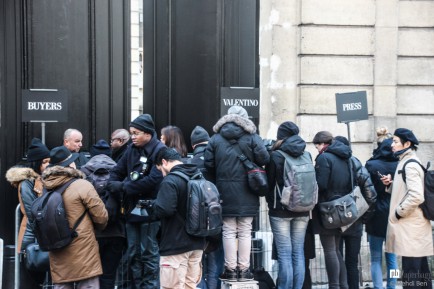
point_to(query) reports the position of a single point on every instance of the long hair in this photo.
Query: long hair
(174, 138)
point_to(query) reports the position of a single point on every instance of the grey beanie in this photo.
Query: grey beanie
(198, 135)
(235, 109)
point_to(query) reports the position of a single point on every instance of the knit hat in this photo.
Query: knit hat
(235, 109)
(406, 135)
(61, 156)
(101, 148)
(37, 151)
(198, 135)
(323, 137)
(287, 129)
(144, 123)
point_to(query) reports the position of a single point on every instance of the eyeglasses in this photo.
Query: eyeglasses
(137, 133)
(115, 139)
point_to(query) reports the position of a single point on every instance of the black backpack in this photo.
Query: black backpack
(99, 179)
(204, 210)
(428, 205)
(49, 221)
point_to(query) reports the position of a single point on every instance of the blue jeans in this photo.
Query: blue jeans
(143, 254)
(376, 247)
(288, 235)
(212, 264)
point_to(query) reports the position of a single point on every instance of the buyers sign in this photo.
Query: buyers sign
(44, 105)
(352, 106)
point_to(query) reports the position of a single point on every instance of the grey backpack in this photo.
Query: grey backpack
(300, 190)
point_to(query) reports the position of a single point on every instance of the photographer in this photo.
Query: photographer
(136, 178)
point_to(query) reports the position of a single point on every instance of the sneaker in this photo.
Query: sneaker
(245, 275)
(229, 275)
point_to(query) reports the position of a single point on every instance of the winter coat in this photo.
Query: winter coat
(146, 187)
(384, 162)
(171, 208)
(363, 180)
(81, 160)
(198, 159)
(293, 146)
(79, 260)
(119, 152)
(116, 225)
(29, 188)
(221, 160)
(411, 234)
(333, 177)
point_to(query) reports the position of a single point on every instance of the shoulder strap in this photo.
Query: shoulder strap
(402, 171)
(181, 174)
(61, 190)
(241, 156)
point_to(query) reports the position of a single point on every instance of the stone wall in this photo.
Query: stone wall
(312, 49)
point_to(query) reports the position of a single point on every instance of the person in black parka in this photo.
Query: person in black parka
(235, 133)
(384, 162)
(334, 180)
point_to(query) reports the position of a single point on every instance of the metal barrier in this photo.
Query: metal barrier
(18, 216)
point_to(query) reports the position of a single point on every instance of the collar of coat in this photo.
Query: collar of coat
(245, 123)
(56, 176)
(19, 174)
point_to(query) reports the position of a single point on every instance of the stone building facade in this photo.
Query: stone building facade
(312, 49)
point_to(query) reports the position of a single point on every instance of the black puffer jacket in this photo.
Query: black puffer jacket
(293, 146)
(171, 207)
(221, 159)
(384, 162)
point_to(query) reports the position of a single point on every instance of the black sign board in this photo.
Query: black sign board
(247, 97)
(44, 105)
(352, 106)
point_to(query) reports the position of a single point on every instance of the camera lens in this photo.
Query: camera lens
(134, 176)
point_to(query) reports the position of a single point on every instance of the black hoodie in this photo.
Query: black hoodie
(171, 207)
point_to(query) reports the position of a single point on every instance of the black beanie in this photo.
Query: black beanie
(144, 123)
(198, 135)
(101, 148)
(37, 151)
(287, 129)
(406, 135)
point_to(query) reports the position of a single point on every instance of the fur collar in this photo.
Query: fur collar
(56, 176)
(245, 123)
(19, 174)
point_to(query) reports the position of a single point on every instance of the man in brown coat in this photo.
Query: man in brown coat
(79, 262)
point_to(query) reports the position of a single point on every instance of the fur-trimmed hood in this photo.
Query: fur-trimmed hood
(18, 174)
(246, 124)
(53, 177)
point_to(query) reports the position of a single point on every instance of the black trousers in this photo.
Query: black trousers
(416, 273)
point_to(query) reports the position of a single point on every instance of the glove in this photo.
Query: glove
(115, 187)
(147, 204)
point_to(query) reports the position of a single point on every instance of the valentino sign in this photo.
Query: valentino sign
(352, 106)
(44, 105)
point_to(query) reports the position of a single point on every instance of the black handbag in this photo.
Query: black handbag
(35, 259)
(342, 211)
(256, 175)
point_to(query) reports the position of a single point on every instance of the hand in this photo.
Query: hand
(146, 203)
(115, 187)
(387, 180)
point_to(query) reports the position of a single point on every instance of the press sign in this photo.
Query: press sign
(351, 106)
(44, 105)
